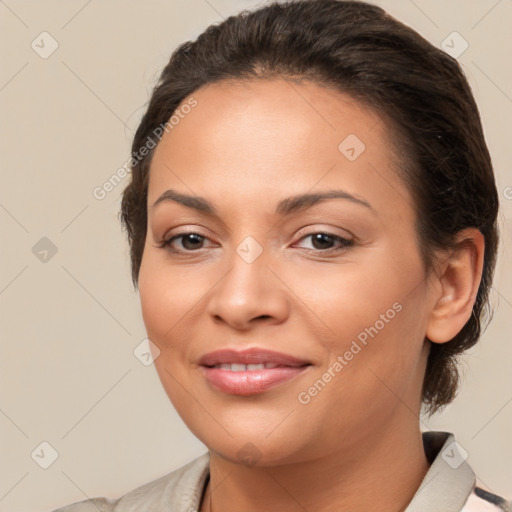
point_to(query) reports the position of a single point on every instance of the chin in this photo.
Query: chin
(254, 446)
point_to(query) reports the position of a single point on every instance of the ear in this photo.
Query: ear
(456, 286)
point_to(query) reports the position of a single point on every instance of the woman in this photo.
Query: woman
(312, 225)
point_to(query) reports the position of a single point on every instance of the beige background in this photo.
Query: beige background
(69, 325)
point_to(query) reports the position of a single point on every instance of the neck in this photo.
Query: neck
(386, 469)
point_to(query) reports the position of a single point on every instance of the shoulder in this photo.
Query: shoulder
(481, 500)
(91, 505)
(451, 483)
(181, 488)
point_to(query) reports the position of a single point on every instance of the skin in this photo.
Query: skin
(245, 147)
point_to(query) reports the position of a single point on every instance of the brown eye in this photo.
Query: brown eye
(189, 242)
(323, 242)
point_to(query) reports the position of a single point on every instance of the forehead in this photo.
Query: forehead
(274, 136)
(305, 113)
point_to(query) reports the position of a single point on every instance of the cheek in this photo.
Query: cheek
(376, 317)
(167, 298)
(383, 356)
(347, 299)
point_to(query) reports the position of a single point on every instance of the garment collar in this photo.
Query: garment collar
(446, 486)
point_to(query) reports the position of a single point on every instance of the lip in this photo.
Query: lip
(250, 382)
(250, 356)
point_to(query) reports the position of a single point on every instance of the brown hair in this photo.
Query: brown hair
(364, 52)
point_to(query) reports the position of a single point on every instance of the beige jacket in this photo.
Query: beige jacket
(450, 485)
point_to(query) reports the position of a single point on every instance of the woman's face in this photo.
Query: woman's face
(337, 284)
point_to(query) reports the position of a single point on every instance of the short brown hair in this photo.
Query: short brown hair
(363, 52)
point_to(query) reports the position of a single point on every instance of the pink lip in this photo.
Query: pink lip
(250, 356)
(251, 381)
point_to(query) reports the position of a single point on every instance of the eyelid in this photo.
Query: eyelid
(168, 238)
(308, 230)
(185, 230)
(316, 228)
(342, 243)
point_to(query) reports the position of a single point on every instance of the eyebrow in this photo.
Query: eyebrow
(284, 207)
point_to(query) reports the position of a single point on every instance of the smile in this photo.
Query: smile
(250, 371)
(240, 379)
(237, 367)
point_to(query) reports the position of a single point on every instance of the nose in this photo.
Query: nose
(248, 294)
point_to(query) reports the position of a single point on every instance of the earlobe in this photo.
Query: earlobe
(458, 284)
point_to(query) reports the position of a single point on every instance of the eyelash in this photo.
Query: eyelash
(344, 243)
